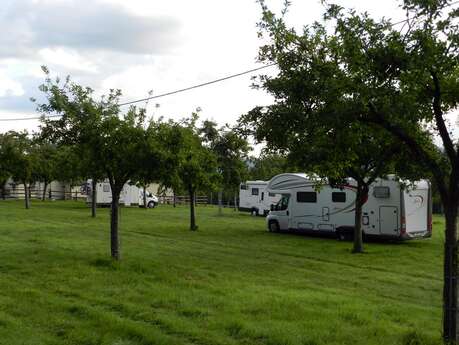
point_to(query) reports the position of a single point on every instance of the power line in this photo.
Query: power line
(161, 95)
(198, 85)
(29, 118)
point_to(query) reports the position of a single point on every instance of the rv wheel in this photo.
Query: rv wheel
(273, 226)
(341, 236)
(151, 204)
(345, 234)
(254, 212)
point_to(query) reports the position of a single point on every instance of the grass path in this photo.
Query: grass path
(231, 282)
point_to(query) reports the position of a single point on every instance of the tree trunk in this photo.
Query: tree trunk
(450, 318)
(220, 202)
(193, 226)
(235, 202)
(93, 197)
(174, 200)
(114, 218)
(26, 196)
(361, 197)
(43, 197)
(145, 197)
(2, 188)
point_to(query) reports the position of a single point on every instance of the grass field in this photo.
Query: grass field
(231, 282)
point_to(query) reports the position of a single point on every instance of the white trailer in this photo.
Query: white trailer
(131, 195)
(391, 211)
(254, 198)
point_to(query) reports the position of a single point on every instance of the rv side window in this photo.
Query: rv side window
(381, 192)
(306, 197)
(106, 188)
(262, 195)
(243, 187)
(254, 191)
(272, 195)
(339, 197)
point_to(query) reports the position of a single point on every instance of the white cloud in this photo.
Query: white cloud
(67, 58)
(9, 87)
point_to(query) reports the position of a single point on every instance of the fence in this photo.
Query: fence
(18, 192)
(183, 199)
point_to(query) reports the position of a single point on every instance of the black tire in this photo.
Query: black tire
(254, 212)
(341, 236)
(345, 234)
(273, 226)
(151, 204)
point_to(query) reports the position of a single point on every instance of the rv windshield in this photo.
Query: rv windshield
(283, 202)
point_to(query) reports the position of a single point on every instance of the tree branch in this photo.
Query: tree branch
(415, 148)
(440, 122)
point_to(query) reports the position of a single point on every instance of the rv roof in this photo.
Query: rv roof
(284, 182)
(287, 181)
(256, 182)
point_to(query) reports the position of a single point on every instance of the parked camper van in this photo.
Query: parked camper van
(130, 195)
(391, 210)
(254, 198)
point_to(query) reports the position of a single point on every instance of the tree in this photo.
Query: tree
(4, 168)
(231, 151)
(188, 164)
(267, 165)
(43, 155)
(402, 79)
(19, 160)
(117, 144)
(69, 165)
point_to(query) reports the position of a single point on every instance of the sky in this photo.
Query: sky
(140, 46)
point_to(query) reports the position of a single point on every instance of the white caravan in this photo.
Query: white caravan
(254, 198)
(130, 195)
(391, 211)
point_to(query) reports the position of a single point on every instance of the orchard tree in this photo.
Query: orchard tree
(231, 151)
(69, 166)
(188, 164)
(4, 168)
(117, 143)
(267, 165)
(197, 169)
(19, 160)
(402, 78)
(43, 155)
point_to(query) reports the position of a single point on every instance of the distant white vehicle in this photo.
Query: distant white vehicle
(254, 198)
(131, 195)
(391, 210)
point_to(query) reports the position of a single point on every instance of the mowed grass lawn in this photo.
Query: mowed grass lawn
(231, 282)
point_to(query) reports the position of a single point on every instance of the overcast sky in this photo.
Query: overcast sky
(143, 45)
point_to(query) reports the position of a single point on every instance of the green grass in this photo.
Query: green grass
(231, 282)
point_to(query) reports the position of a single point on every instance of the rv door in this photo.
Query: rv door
(282, 212)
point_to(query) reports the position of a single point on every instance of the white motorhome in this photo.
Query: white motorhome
(254, 198)
(130, 195)
(391, 211)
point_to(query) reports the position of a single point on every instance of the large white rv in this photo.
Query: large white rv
(130, 195)
(254, 198)
(392, 210)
